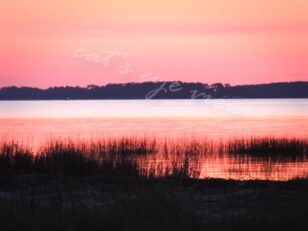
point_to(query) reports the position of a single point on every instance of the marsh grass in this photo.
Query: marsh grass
(118, 157)
(269, 147)
(97, 185)
(15, 159)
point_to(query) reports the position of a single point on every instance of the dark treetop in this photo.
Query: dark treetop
(158, 90)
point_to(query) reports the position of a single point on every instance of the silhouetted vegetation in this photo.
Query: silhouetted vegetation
(158, 90)
(269, 147)
(67, 185)
(70, 159)
(117, 157)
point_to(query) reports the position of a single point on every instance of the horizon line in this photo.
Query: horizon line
(167, 81)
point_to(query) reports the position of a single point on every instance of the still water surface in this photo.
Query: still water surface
(34, 122)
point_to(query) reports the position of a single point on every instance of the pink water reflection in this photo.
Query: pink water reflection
(226, 167)
(34, 122)
(34, 131)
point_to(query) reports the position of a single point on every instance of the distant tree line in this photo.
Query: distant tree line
(158, 90)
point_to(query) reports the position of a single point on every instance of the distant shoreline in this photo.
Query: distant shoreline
(159, 91)
(8, 100)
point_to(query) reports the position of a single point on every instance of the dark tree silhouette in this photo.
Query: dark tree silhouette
(160, 90)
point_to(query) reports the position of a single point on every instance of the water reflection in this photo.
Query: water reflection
(224, 166)
(34, 122)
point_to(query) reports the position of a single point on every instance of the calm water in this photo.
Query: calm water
(33, 122)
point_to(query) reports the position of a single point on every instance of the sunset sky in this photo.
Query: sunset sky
(47, 43)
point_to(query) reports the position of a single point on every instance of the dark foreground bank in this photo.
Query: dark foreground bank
(153, 204)
(65, 186)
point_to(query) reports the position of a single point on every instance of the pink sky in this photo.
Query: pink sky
(229, 41)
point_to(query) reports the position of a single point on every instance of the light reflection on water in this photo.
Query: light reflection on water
(33, 122)
(226, 167)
